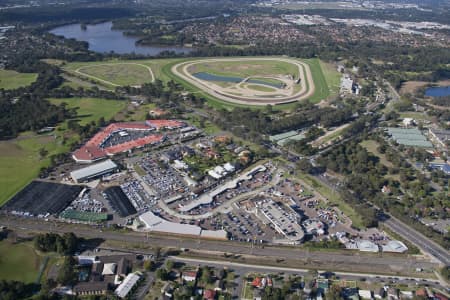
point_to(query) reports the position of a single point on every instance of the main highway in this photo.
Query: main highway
(342, 260)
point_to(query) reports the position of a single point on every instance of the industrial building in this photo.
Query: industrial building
(409, 137)
(94, 171)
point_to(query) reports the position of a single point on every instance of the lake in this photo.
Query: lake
(439, 91)
(102, 38)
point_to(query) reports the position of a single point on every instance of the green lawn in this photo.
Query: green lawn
(12, 80)
(372, 147)
(320, 78)
(19, 262)
(92, 109)
(20, 161)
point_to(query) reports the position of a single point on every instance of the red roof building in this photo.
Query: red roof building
(95, 148)
(165, 124)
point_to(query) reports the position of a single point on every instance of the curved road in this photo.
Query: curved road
(304, 93)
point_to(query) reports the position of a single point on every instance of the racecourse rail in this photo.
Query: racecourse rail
(306, 81)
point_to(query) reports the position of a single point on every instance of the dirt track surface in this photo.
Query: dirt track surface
(248, 97)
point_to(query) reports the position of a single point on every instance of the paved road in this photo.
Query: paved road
(419, 240)
(339, 259)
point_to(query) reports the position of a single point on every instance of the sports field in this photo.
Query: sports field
(12, 80)
(19, 262)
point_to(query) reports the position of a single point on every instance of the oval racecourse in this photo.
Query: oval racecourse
(120, 77)
(254, 88)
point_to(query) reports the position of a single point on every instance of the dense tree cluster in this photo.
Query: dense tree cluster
(13, 290)
(66, 244)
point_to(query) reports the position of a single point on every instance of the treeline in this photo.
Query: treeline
(26, 108)
(250, 124)
(364, 177)
(13, 290)
(65, 244)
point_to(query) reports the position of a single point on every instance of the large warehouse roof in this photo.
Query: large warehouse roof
(409, 137)
(155, 223)
(93, 170)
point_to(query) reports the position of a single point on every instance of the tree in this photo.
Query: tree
(169, 265)
(162, 274)
(67, 274)
(149, 265)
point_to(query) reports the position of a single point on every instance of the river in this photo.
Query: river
(102, 38)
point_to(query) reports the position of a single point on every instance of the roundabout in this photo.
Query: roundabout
(249, 80)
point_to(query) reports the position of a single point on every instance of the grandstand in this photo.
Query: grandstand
(409, 137)
(122, 137)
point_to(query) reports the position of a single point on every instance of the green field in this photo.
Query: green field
(92, 109)
(245, 69)
(19, 262)
(118, 73)
(20, 161)
(155, 64)
(12, 80)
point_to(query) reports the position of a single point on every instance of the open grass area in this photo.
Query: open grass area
(10, 80)
(20, 161)
(92, 109)
(322, 91)
(156, 66)
(119, 73)
(372, 147)
(19, 262)
(332, 76)
(246, 69)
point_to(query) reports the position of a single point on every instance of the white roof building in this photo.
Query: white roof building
(229, 167)
(367, 246)
(109, 269)
(154, 223)
(395, 246)
(127, 285)
(365, 294)
(93, 171)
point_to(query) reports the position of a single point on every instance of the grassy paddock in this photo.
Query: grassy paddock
(10, 80)
(19, 262)
(92, 109)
